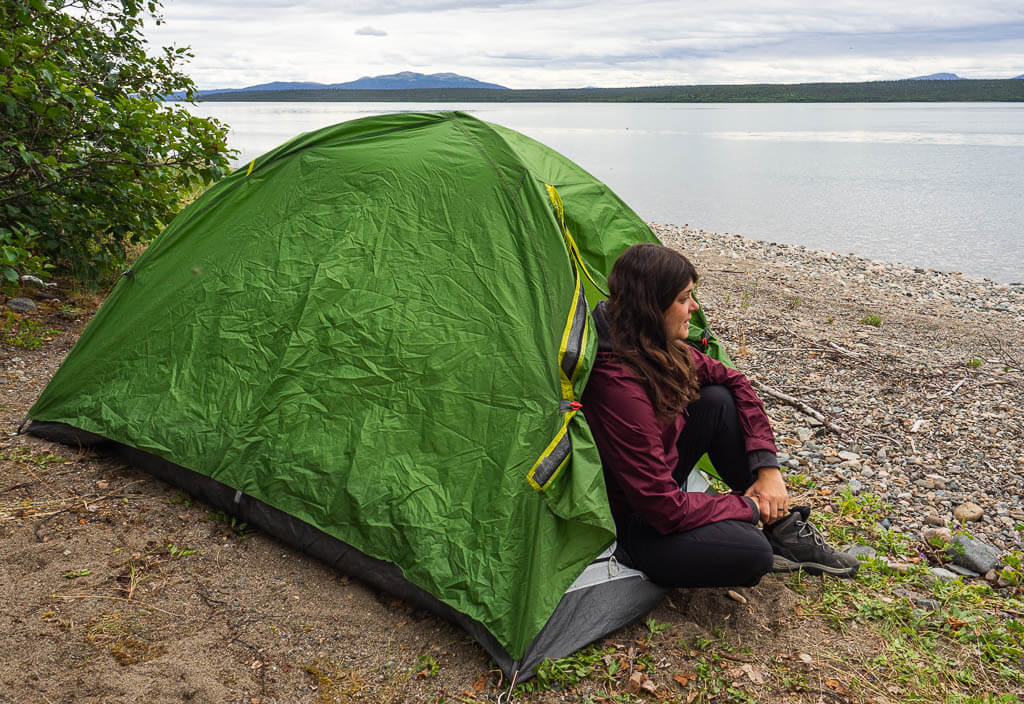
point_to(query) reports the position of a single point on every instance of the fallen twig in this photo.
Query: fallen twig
(148, 607)
(958, 385)
(842, 350)
(797, 403)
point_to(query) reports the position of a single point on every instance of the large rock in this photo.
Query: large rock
(21, 305)
(972, 553)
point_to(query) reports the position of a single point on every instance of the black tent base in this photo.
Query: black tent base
(605, 597)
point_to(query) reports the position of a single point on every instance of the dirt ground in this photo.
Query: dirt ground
(117, 588)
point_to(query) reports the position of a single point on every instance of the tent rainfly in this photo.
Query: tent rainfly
(370, 343)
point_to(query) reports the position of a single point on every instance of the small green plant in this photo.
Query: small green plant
(872, 320)
(830, 320)
(69, 311)
(26, 333)
(1013, 571)
(229, 521)
(654, 628)
(794, 302)
(800, 481)
(77, 573)
(183, 499)
(975, 362)
(427, 666)
(176, 552)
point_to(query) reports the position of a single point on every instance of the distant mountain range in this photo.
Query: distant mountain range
(937, 77)
(947, 77)
(406, 80)
(411, 86)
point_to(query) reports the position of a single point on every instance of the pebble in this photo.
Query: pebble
(944, 574)
(736, 596)
(858, 551)
(962, 571)
(943, 534)
(968, 512)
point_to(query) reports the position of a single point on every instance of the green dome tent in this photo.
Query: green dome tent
(370, 342)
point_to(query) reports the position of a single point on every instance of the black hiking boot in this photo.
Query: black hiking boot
(797, 544)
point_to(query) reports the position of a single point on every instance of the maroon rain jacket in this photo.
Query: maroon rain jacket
(639, 454)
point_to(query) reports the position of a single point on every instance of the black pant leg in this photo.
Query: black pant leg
(722, 554)
(713, 426)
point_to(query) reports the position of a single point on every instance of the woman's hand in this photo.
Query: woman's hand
(769, 491)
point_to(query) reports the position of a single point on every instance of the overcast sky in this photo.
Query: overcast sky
(606, 43)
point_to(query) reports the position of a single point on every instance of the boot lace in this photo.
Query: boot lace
(806, 529)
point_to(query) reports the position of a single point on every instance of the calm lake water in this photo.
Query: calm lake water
(937, 185)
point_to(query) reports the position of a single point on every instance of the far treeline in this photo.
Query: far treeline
(1008, 90)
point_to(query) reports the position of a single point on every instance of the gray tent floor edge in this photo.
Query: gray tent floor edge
(604, 598)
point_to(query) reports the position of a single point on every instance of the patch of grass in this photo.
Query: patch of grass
(24, 332)
(27, 455)
(69, 311)
(938, 641)
(334, 683)
(872, 320)
(183, 499)
(713, 683)
(116, 635)
(975, 362)
(75, 574)
(567, 672)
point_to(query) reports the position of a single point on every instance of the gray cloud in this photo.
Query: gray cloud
(566, 43)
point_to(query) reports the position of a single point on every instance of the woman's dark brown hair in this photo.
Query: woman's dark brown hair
(643, 283)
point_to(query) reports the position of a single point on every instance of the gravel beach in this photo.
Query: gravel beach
(921, 370)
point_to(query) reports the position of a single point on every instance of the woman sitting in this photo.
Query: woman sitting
(656, 405)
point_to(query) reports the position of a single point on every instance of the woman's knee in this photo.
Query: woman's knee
(718, 397)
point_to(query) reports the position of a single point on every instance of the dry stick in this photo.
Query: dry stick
(68, 597)
(958, 385)
(793, 349)
(843, 351)
(85, 503)
(797, 403)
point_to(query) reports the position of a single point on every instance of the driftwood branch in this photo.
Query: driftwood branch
(800, 405)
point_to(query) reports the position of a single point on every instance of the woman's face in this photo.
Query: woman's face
(677, 315)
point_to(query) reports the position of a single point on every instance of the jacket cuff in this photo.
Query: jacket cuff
(761, 458)
(753, 508)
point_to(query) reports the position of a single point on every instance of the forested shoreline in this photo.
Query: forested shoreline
(966, 90)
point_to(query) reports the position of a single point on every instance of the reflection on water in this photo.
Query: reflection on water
(931, 184)
(879, 137)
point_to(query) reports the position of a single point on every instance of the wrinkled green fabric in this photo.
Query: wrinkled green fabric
(363, 331)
